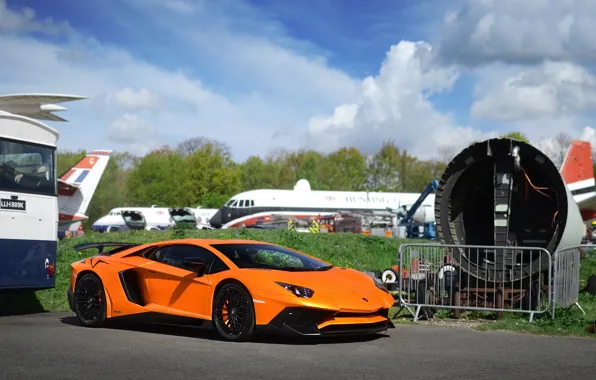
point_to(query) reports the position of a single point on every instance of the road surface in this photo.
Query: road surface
(53, 346)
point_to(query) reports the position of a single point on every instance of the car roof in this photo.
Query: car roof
(212, 241)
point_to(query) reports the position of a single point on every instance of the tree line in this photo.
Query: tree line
(201, 172)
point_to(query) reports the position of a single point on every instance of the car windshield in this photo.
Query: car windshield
(266, 256)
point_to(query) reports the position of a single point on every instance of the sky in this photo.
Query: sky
(264, 75)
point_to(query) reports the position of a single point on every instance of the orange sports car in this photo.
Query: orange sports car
(240, 286)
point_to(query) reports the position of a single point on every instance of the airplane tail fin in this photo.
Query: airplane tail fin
(578, 170)
(77, 186)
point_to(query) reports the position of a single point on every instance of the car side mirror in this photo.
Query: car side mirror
(196, 265)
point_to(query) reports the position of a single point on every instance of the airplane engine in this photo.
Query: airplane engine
(420, 216)
(504, 192)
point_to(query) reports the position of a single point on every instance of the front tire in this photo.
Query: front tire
(90, 300)
(233, 313)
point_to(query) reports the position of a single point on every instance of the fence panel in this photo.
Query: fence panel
(566, 277)
(469, 277)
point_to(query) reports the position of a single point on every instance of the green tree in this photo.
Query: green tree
(158, 179)
(65, 160)
(516, 136)
(344, 169)
(263, 174)
(384, 168)
(210, 176)
(305, 164)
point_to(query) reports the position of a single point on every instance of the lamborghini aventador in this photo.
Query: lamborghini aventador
(239, 286)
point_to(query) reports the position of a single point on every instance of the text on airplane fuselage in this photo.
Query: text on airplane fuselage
(371, 199)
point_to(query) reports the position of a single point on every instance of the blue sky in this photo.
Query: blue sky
(262, 75)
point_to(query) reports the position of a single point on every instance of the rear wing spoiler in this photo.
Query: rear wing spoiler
(101, 246)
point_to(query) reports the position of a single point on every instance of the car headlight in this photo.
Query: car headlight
(298, 291)
(380, 286)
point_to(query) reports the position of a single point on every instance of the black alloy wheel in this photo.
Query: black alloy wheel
(233, 313)
(90, 302)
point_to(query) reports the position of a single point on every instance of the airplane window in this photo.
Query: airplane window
(241, 203)
(252, 203)
(234, 204)
(228, 203)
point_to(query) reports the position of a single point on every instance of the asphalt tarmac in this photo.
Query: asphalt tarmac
(54, 346)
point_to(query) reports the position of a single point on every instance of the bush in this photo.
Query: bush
(351, 250)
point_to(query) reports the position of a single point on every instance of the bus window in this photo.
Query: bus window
(26, 168)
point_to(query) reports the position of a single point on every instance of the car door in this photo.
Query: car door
(174, 283)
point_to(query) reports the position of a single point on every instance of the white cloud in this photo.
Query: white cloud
(282, 89)
(130, 128)
(515, 31)
(252, 54)
(532, 63)
(142, 99)
(247, 121)
(24, 20)
(552, 90)
(262, 90)
(394, 105)
(589, 134)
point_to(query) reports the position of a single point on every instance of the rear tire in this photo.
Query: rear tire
(233, 313)
(90, 301)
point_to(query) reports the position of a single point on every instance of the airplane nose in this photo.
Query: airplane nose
(99, 225)
(215, 220)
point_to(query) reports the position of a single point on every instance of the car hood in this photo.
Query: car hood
(338, 288)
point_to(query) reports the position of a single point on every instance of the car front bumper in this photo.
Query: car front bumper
(313, 322)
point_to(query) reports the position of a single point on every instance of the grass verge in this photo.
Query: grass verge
(567, 322)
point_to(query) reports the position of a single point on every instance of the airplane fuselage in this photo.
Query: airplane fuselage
(156, 218)
(313, 202)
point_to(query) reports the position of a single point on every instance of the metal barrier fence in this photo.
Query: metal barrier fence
(566, 276)
(469, 277)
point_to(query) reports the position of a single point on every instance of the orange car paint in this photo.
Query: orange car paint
(180, 292)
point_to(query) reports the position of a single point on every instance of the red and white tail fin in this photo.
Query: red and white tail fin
(578, 170)
(77, 186)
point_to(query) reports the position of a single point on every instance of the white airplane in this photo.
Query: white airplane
(77, 187)
(250, 207)
(152, 218)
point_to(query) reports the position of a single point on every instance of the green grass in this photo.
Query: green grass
(352, 250)
(568, 322)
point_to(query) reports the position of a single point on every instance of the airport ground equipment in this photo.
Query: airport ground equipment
(413, 220)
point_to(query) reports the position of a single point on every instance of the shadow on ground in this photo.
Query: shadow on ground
(19, 303)
(206, 331)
